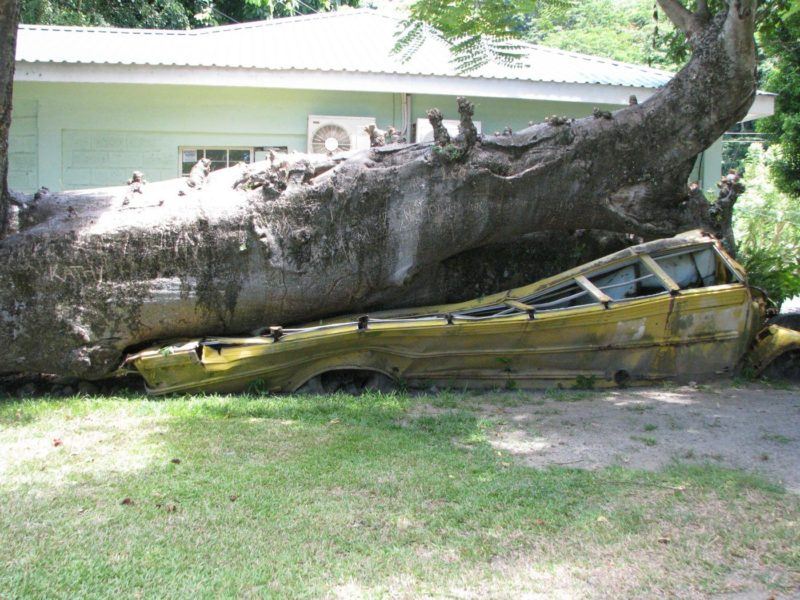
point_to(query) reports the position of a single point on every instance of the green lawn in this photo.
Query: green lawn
(339, 496)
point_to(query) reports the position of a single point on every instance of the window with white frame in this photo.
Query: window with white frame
(220, 157)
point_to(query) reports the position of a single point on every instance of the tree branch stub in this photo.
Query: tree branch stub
(466, 127)
(441, 137)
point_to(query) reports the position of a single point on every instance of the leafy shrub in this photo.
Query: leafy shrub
(767, 228)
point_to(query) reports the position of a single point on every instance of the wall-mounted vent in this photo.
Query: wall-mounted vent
(331, 135)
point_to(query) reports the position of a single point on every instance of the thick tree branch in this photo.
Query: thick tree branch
(744, 8)
(682, 18)
(702, 12)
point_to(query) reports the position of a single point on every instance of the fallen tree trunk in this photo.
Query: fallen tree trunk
(86, 275)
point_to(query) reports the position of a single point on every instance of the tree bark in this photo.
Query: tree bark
(89, 275)
(9, 17)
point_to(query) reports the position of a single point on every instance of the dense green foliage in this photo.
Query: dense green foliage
(256, 10)
(624, 30)
(781, 44)
(158, 14)
(167, 14)
(767, 224)
(620, 29)
(479, 31)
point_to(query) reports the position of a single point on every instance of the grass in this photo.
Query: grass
(562, 395)
(639, 408)
(647, 440)
(777, 438)
(380, 495)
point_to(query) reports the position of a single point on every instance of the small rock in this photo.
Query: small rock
(127, 502)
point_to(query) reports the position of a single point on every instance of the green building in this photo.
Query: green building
(93, 104)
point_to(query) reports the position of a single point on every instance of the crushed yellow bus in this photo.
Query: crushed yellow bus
(671, 309)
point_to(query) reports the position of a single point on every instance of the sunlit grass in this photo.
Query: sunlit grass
(379, 495)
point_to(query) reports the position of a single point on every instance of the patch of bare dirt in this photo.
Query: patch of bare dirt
(756, 428)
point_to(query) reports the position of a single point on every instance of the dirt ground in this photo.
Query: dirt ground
(753, 427)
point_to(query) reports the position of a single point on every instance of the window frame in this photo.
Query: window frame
(203, 148)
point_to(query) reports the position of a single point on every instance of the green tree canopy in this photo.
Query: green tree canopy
(167, 14)
(157, 14)
(781, 44)
(620, 29)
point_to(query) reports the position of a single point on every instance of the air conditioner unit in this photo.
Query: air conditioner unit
(425, 131)
(337, 134)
